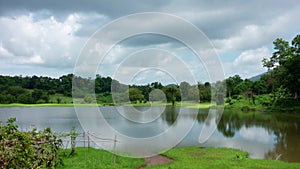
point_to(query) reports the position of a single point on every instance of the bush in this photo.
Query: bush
(245, 108)
(32, 149)
(88, 99)
(229, 101)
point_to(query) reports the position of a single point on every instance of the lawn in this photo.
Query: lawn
(68, 103)
(97, 159)
(195, 157)
(187, 157)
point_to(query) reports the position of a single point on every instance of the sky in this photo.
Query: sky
(47, 38)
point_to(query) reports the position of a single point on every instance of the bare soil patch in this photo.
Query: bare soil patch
(154, 160)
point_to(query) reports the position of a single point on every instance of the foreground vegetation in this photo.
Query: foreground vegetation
(30, 149)
(187, 157)
(262, 103)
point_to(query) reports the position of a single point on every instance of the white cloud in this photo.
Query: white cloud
(31, 60)
(256, 134)
(255, 35)
(248, 63)
(4, 52)
(47, 42)
(51, 35)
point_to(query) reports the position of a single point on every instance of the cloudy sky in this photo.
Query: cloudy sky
(47, 37)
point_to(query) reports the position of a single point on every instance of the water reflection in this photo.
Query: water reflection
(270, 136)
(170, 115)
(287, 146)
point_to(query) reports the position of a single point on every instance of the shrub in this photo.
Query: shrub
(245, 108)
(32, 149)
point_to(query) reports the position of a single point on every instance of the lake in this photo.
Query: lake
(264, 136)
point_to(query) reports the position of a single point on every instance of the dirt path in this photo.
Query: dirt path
(158, 159)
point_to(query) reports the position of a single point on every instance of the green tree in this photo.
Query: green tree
(184, 88)
(219, 92)
(40, 96)
(156, 85)
(231, 84)
(193, 93)
(259, 87)
(157, 95)
(171, 92)
(25, 98)
(135, 94)
(284, 65)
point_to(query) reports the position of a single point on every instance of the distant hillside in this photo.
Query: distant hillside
(257, 77)
(169, 85)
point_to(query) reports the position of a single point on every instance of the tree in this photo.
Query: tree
(7, 99)
(66, 85)
(171, 92)
(193, 93)
(220, 92)
(284, 65)
(184, 88)
(25, 98)
(157, 95)
(231, 84)
(259, 87)
(156, 85)
(135, 94)
(15, 90)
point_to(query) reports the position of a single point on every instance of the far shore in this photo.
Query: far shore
(187, 104)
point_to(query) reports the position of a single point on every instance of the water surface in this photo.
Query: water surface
(264, 136)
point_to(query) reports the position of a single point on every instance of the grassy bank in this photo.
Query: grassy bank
(195, 157)
(262, 103)
(93, 158)
(46, 105)
(188, 157)
(187, 104)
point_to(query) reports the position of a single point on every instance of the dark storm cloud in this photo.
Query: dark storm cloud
(223, 19)
(216, 18)
(40, 32)
(108, 7)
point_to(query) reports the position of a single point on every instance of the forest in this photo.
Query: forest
(280, 85)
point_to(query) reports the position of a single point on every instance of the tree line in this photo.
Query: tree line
(34, 89)
(282, 82)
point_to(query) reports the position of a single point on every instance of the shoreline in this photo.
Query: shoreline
(185, 104)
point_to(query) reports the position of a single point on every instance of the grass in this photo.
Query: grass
(187, 104)
(187, 157)
(93, 159)
(190, 104)
(63, 99)
(47, 105)
(195, 157)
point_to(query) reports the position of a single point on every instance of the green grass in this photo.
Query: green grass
(95, 159)
(184, 158)
(64, 99)
(47, 105)
(187, 104)
(195, 157)
(190, 104)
